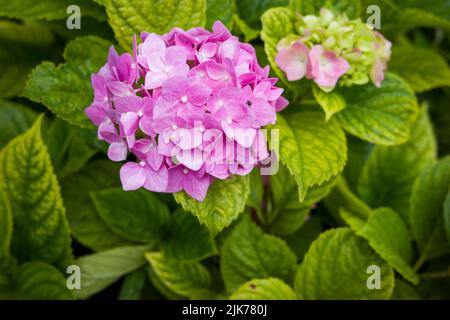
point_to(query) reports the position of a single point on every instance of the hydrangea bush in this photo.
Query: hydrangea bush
(134, 150)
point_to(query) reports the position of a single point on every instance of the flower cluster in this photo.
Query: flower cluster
(329, 48)
(188, 105)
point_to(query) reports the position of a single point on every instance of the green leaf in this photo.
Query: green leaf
(352, 8)
(447, 214)
(68, 149)
(100, 270)
(426, 213)
(130, 17)
(264, 289)
(288, 213)
(389, 237)
(380, 115)
(14, 120)
(277, 23)
(301, 239)
(256, 196)
(404, 291)
(358, 152)
(343, 203)
(187, 240)
(183, 278)
(133, 285)
(41, 231)
(22, 46)
(41, 281)
(137, 216)
(389, 173)
(241, 27)
(331, 102)
(251, 10)
(248, 253)
(423, 68)
(402, 15)
(6, 229)
(313, 151)
(48, 9)
(223, 203)
(335, 267)
(219, 10)
(66, 89)
(87, 226)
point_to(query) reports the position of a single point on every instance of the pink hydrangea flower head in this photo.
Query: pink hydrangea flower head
(184, 109)
(330, 48)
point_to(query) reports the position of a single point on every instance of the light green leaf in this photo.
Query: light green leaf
(100, 270)
(48, 9)
(352, 8)
(423, 68)
(161, 287)
(389, 173)
(288, 213)
(335, 267)
(87, 226)
(380, 115)
(313, 151)
(248, 253)
(40, 281)
(6, 229)
(219, 10)
(131, 17)
(447, 214)
(41, 231)
(331, 102)
(277, 23)
(14, 120)
(187, 240)
(264, 289)
(404, 291)
(223, 203)
(183, 278)
(301, 239)
(389, 237)
(66, 89)
(22, 46)
(137, 216)
(426, 213)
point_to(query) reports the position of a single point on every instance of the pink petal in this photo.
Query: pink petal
(157, 181)
(175, 55)
(244, 137)
(117, 151)
(175, 88)
(196, 188)
(176, 176)
(198, 93)
(293, 60)
(129, 122)
(132, 176)
(192, 159)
